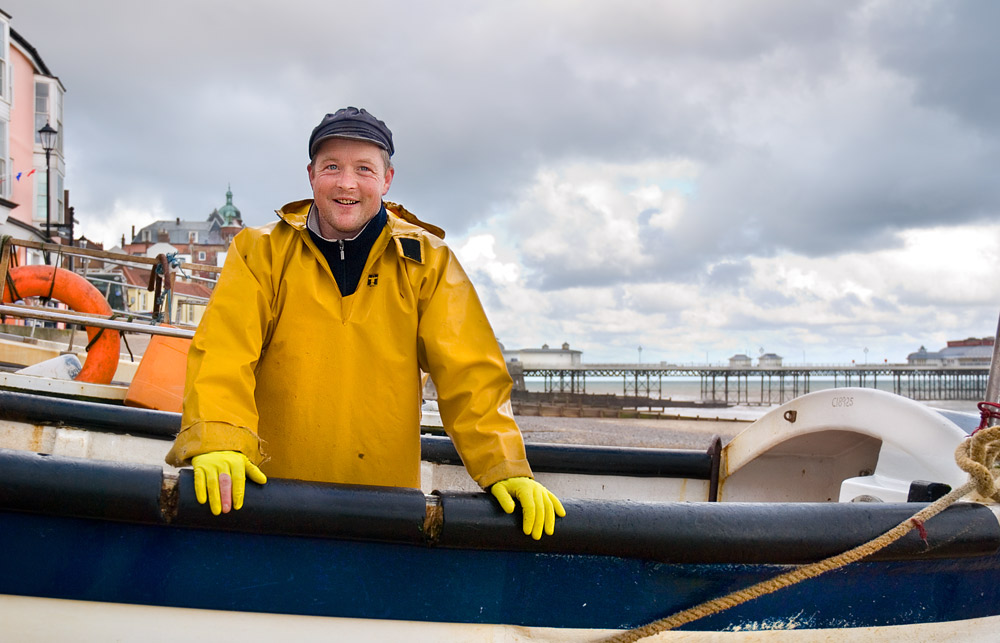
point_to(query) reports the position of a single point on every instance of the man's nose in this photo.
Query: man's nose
(347, 180)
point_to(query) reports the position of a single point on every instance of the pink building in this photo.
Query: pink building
(30, 97)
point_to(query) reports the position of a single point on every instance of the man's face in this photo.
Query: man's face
(348, 180)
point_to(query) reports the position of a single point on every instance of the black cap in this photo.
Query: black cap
(351, 122)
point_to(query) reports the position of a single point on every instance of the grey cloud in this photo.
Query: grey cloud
(728, 275)
(798, 149)
(947, 49)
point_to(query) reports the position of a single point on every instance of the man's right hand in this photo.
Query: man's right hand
(220, 478)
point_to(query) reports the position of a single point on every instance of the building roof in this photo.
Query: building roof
(33, 55)
(29, 231)
(179, 232)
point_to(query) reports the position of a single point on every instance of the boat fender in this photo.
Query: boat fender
(64, 367)
(81, 296)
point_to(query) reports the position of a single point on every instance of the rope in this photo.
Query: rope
(52, 285)
(5, 261)
(975, 455)
(12, 289)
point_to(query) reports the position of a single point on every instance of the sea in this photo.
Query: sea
(688, 389)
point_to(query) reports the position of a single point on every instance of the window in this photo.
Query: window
(41, 108)
(41, 193)
(145, 236)
(3, 60)
(59, 207)
(4, 179)
(57, 102)
(201, 255)
(193, 236)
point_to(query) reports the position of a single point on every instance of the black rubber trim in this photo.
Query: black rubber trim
(81, 488)
(298, 508)
(735, 533)
(55, 485)
(98, 416)
(711, 533)
(592, 460)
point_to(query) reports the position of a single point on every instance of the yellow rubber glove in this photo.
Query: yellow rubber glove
(220, 477)
(539, 506)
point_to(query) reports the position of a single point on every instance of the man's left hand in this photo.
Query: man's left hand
(539, 506)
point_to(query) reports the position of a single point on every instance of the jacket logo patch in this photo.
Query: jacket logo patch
(373, 280)
(411, 249)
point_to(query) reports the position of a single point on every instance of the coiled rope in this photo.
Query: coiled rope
(976, 455)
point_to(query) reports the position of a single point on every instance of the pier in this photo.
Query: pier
(768, 385)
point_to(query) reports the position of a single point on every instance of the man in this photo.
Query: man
(309, 353)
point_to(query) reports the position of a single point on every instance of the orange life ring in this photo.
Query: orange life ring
(80, 295)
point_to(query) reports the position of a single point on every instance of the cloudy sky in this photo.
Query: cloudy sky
(696, 178)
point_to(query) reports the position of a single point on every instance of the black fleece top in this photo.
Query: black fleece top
(347, 258)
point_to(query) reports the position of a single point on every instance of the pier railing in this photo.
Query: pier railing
(772, 385)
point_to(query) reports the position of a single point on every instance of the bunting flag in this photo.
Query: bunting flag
(18, 177)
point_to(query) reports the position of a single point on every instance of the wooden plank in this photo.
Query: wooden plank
(4, 263)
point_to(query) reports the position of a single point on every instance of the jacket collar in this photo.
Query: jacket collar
(400, 220)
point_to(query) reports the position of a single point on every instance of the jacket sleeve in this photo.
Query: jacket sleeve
(219, 411)
(456, 345)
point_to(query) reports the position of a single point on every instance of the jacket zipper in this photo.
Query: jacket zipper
(343, 263)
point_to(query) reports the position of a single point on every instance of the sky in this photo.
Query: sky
(669, 182)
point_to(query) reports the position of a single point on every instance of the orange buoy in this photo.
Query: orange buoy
(80, 295)
(158, 382)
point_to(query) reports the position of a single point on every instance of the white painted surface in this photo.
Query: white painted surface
(27, 383)
(439, 477)
(77, 443)
(36, 620)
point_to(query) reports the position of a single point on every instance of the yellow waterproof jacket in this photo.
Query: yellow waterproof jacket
(327, 388)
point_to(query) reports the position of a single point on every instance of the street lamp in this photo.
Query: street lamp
(48, 137)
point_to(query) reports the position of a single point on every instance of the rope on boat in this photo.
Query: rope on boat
(976, 455)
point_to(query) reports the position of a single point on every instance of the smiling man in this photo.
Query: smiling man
(307, 361)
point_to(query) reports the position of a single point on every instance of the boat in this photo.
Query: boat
(778, 534)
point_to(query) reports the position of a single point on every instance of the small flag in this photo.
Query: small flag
(31, 172)
(18, 177)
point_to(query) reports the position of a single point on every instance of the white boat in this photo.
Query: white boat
(103, 540)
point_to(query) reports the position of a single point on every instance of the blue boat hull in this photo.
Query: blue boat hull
(107, 561)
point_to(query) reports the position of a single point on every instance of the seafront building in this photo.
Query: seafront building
(961, 352)
(187, 241)
(544, 357)
(31, 96)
